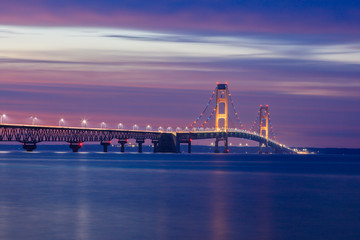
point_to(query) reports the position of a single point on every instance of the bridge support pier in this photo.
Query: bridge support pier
(140, 143)
(178, 144)
(29, 147)
(216, 146)
(75, 146)
(167, 143)
(122, 143)
(156, 143)
(189, 146)
(105, 145)
(226, 148)
(263, 145)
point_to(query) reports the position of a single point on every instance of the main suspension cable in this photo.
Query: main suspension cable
(202, 113)
(235, 112)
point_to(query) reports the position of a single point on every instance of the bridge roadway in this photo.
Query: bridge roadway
(30, 135)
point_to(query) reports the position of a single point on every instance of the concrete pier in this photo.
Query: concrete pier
(75, 146)
(140, 143)
(156, 144)
(216, 146)
(122, 143)
(29, 147)
(226, 147)
(167, 143)
(105, 145)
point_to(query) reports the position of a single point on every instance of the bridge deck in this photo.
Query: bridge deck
(35, 134)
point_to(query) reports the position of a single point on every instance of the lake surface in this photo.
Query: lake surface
(63, 195)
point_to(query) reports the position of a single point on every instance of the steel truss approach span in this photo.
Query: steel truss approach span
(261, 131)
(29, 135)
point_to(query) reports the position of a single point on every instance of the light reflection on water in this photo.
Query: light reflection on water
(171, 196)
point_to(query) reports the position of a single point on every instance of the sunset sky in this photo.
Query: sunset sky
(157, 63)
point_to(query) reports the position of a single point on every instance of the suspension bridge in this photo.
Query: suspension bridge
(219, 120)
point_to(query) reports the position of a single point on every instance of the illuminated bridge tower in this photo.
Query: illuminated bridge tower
(221, 115)
(264, 127)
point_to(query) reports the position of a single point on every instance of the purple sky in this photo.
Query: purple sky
(157, 63)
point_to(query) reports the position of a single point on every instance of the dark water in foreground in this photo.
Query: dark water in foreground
(178, 196)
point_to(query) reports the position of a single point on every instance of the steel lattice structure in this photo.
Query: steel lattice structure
(36, 134)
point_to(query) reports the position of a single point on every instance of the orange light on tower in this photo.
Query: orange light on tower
(221, 98)
(264, 125)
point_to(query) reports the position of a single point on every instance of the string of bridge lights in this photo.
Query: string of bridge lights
(235, 112)
(254, 128)
(202, 113)
(207, 120)
(254, 123)
(271, 128)
(197, 120)
(84, 123)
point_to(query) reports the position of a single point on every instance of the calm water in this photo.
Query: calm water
(178, 196)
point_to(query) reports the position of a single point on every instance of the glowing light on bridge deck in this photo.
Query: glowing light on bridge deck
(178, 129)
(102, 125)
(120, 126)
(160, 129)
(148, 128)
(135, 127)
(33, 120)
(2, 117)
(169, 129)
(83, 123)
(61, 122)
